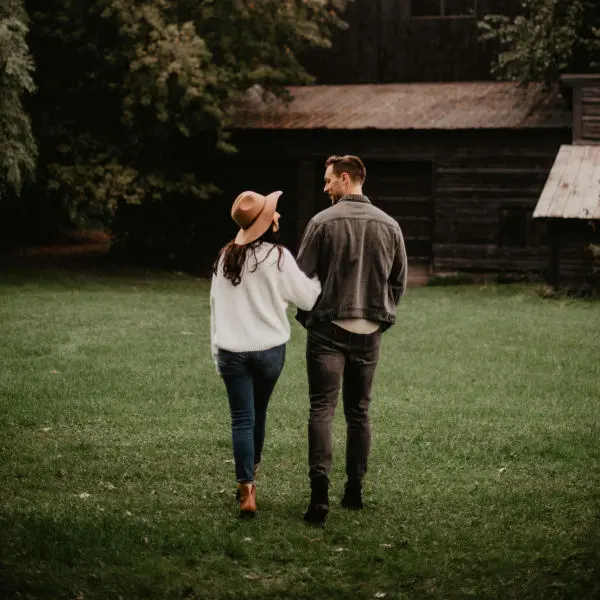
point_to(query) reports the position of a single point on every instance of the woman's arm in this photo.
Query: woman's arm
(299, 289)
(214, 350)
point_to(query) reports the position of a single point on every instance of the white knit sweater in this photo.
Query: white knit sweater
(252, 315)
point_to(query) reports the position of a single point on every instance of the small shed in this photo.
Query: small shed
(570, 200)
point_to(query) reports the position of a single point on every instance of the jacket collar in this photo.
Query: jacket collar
(354, 198)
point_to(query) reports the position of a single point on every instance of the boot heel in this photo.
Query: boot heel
(247, 498)
(318, 509)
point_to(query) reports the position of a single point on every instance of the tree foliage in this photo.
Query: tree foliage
(17, 145)
(133, 93)
(548, 38)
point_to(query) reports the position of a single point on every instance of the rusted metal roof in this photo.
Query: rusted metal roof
(479, 105)
(572, 190)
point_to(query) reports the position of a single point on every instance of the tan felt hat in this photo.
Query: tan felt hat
(254, 214)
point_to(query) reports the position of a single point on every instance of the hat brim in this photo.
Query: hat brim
(262, 223)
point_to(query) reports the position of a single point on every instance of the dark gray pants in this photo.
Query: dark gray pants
(337, 358)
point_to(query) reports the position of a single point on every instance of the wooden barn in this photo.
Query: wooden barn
(459, 165)
(392, 41)
(460, 160)
(570, 201)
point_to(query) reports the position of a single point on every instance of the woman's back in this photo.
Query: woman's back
(250, 314)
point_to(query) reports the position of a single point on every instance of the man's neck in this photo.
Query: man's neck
(355, 191)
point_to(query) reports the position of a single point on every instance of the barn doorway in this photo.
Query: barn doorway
(404, 190)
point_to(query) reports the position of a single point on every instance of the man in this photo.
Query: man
(357, 251)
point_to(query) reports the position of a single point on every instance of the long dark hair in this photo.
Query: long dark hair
(235, 256)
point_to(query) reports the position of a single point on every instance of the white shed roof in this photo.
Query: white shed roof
(572, 190)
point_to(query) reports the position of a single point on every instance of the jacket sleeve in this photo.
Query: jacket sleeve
(308, 259)
(310, 249)
(299, 289)
(398, 273)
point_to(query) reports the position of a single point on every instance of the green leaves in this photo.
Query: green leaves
(171, 72)
(18, 151)
(551, 37)
(138, 91)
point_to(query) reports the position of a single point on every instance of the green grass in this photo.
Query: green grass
(116, 471)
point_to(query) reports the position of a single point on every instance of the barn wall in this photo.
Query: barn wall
(385, 44)
(590, 113)
(485, 197)
(578, 246)
(483, 188)
(586, 107)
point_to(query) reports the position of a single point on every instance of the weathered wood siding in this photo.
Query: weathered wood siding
(484, 203)
(384, 44)
(586, 106)
(590, 113)
(577, 261)
(467, 195)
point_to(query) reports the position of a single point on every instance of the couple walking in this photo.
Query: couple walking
(346, 281)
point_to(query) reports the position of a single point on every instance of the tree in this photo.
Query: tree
(132, 93)
(17, 146)
(549, 38)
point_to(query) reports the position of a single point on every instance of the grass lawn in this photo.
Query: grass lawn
(117, 478)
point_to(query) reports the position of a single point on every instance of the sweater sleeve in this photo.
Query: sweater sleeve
(213, 348)
(297, 287)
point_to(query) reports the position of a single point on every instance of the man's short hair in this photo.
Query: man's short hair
(348, 164)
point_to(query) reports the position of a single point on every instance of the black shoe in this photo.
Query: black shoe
(316, 513)
(352, 498)
(319, 505)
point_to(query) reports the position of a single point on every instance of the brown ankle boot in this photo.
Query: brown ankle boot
(247, 499)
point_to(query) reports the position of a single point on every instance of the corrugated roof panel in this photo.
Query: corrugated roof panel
(572, 190)
(396, 106)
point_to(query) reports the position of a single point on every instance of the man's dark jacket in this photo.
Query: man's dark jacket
(357, 251)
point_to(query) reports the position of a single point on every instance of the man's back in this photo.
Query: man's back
(358, 254)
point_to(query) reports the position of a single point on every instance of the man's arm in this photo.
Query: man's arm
(309, 252)
(308, 259)
(399, 270)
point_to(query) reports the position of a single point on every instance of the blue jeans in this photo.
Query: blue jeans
(250, 378)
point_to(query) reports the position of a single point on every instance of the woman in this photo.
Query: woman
(254, 279)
